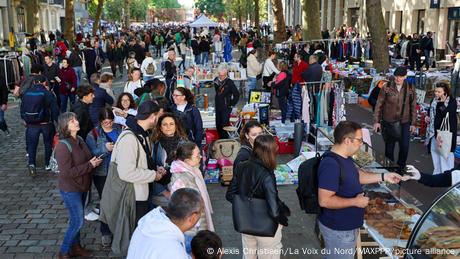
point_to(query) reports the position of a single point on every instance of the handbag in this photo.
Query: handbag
(446, 137)
(391, 131)
(250, 215)
(225, 148)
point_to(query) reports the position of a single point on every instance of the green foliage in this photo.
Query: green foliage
(113, 10)
(138, 9)
(165, 3)
(215, 8)
(92, 7)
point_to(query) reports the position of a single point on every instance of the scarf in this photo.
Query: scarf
(169, 144)
(178, 167)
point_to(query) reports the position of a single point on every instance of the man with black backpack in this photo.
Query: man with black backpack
(39, 111)
(340, 199)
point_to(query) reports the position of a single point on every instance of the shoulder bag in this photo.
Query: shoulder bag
(250, 215)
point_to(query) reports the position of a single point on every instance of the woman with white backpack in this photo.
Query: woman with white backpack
(148, 67)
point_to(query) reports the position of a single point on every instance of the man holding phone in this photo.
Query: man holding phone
(395, 115)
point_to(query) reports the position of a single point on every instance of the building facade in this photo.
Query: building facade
(401, 16)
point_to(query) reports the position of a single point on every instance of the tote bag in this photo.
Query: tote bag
(445, 136)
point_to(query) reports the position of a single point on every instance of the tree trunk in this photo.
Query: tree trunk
(127, 14)
(256, 13)
(376, 25)
(311, 20)
(240, 18)
(97, 19)
(69, 32)
(279, 24)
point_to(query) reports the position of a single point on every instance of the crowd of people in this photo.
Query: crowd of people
(142, 149)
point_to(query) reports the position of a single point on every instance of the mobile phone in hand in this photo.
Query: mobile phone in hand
(102, 156)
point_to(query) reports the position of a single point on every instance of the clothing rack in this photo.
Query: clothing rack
(8, 61)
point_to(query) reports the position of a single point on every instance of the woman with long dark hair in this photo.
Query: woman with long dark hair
(256, 176)
(443, 103)
(125, 106)
(250, 131)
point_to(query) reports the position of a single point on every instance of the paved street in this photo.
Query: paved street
(33, 218)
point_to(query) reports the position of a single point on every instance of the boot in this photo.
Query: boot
(77, 250)
(63, 256)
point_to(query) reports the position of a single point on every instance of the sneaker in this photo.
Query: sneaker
(96, 210)
(48, 168)
(32, 171)
(7, 132)
(107, 241)
(92, 216)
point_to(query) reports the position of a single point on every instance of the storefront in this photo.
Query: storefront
(453, 17)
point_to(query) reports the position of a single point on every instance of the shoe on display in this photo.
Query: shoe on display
(48, 168)
(32, 171)
(92, 216)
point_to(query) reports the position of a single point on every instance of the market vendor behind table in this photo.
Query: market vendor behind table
(340, 193)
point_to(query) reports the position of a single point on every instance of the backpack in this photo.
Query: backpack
(307, 190)
(53, 162)
(33, 105)
(150, 69)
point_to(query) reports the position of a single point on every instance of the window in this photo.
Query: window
(21, 19)
(420, 21)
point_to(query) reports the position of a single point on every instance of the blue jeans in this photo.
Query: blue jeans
(64, 98)
(252, 83)
(3, 125)
(339, 244)
(198, 59)
(204, 58)
(32, 137)
(78, 72)
(426, 62)
(74, 202)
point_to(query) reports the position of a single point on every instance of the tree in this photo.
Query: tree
(279, 24)
(165, 3)
(256, 13)
(97, 19)
(376, 25)
(69, 32)
(215, 8)
(138, 9)
(126, 14)
(112, 10)
(311, 20)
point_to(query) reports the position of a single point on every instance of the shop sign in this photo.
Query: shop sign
(435, 3)
(453, 13)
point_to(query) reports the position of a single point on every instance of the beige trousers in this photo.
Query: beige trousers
(255, 247)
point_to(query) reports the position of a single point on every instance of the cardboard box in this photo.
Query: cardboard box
(227, 173)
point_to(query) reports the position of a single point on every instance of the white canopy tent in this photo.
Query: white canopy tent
(203, 21)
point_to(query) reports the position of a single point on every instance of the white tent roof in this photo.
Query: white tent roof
(203, 21)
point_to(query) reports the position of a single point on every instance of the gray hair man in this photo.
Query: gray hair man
(163, 229)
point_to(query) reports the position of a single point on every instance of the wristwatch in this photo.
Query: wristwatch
(383, 177)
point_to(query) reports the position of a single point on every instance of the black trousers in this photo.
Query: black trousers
(222, 120)
(403, 146)
(142, 208)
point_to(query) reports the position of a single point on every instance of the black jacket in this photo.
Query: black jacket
(245, 178)
(243, 155)
(81, 109)
(50, 72)
(227, 95)
(282, 87)
(313, 73)
(75, 60)
(3, 91)
(438, 180)
(191, 123)
(170, 68)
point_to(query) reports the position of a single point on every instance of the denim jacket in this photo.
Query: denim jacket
(96, 141)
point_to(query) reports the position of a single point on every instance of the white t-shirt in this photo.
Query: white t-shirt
(181, 107)
(131, 86)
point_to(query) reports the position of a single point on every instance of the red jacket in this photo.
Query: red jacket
(68, 80)
(297, 70)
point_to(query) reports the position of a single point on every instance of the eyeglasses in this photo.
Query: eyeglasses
(177, 95)
(361, 141)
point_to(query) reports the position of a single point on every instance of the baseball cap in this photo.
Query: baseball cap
(146, 109)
